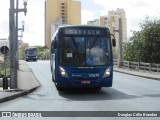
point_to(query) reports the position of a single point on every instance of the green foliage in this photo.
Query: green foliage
(3, 69)
(41, 51)
(22, 51)
(145, 44)
(2, 72)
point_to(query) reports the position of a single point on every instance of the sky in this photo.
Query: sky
(136, 11)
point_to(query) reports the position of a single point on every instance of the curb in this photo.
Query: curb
(20, 92)
(153, 78)
(36, 78)
(16, 95)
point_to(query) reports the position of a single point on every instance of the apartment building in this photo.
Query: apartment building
(115, 21)
(59, 12)
(95, 22)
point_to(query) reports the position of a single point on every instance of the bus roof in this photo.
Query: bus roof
(32, 48)
(83, 26)
(78, 26)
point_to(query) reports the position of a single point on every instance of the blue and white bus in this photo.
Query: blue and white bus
(31, 54)
(81, 57)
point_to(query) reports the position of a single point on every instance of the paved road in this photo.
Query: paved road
(129, 93)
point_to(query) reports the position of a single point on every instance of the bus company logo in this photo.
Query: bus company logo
(6, 114)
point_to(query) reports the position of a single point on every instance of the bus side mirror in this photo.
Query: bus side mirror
(55, 44)
(52, 49)
(114, 42)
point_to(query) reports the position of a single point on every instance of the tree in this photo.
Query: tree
(22, 51)
(145, 44)
(42, 51)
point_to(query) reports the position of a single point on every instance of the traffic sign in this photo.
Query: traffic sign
(4, 49)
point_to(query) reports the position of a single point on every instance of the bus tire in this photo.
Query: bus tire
(98, 88)
(58, 87)
(53, 79)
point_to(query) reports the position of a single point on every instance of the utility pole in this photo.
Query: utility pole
(16, 41)
(120, 43)
(12, 39)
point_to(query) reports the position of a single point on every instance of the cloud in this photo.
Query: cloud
(86, 16)
(34, 23)
(136, 11)
(4, 30)
(139, 3)
(91, 5)
(4, 19)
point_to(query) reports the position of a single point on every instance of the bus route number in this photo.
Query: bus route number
(93, 75)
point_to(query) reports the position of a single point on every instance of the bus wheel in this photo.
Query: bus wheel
(98, 88)
(58, 88)
(53, 79)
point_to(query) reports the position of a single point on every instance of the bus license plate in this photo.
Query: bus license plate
(85, 82)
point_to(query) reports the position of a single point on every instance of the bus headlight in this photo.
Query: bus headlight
(63, 72)
(107, 72)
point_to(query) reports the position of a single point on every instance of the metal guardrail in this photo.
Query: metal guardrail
(139, 66)
(1, 82)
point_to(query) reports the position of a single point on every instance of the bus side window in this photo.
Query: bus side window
(52, 47)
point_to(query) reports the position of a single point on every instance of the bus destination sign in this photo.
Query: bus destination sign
(74, 31)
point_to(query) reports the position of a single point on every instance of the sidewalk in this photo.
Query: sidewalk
(144, 74)
(26, 83)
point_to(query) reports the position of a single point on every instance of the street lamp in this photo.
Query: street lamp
(23, 22)
(25, 6)
(21, 34)
(22, 29)
(22, 9)
(17, 11)
(13, 37)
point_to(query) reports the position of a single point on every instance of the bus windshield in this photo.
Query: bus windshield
(31, 52)
(85, 51)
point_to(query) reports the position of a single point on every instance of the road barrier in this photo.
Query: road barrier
(1, 82)
(151, 67)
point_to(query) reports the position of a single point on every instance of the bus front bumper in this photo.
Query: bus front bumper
(104, 82)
